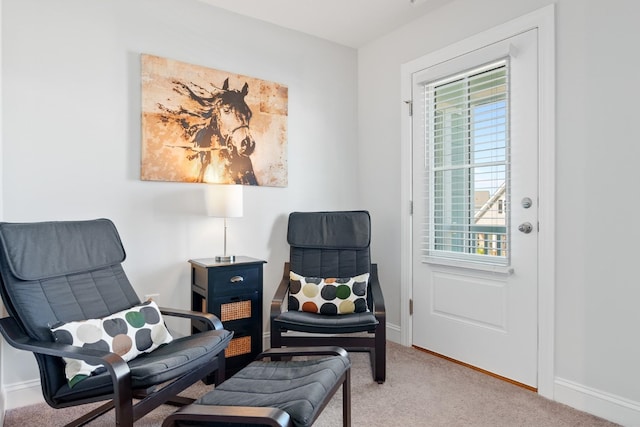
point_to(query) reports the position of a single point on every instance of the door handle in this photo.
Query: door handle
(525, 227)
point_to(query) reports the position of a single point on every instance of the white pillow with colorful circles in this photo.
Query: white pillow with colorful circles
(329, 295)
(128, 333)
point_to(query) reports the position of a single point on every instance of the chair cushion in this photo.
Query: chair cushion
(165, 363)
(329, 244)
(328, 295)
(297, 387)
(128, 333)
(330, 230)
(317, 323)
(62, 271)
(80, 246)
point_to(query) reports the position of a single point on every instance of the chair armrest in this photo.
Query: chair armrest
(209, 319)
(281, 293)
(229, 414)
(17, 338)
(303, 351)
(376, 292)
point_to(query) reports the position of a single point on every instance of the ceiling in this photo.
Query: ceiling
(352, 23)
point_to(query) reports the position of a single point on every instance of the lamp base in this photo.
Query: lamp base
(225, 258)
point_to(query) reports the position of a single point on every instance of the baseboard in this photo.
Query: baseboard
(3, 407)
(599, 403)
(21, 394)
(394, 333)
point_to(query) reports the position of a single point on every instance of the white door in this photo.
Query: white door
(475, 184)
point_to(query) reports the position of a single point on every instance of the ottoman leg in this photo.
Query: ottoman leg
(346, 400)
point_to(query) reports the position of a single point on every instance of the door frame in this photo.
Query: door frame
(544, 21)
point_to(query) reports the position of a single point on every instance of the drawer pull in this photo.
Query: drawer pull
(236, 279)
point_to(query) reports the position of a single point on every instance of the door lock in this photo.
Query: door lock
(525, 227)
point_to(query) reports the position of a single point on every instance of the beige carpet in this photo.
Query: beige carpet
(421, 390)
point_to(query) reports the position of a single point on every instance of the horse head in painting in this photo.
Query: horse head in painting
(218, 125)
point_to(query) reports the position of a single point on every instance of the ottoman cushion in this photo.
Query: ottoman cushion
(297, 387)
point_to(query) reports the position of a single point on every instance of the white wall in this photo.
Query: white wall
(71, 92)
(597, 316)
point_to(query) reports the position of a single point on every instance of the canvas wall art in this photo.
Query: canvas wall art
(205, 125)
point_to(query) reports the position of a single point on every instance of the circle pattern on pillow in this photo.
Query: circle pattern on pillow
(330, 295)
(128, 333)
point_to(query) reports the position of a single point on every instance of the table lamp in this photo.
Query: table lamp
(224, 201)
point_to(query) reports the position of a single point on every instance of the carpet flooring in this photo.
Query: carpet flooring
(421, 390)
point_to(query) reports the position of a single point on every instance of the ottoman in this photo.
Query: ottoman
(275, 392)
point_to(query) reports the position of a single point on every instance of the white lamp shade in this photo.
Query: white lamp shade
(224, 201)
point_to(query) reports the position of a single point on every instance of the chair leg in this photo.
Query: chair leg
(346, 400)
(220, 374)
(379, 356)
(378, 365)
(178, 401)
(276, 341)
(92, 415)
(123, 401)
(276, 338)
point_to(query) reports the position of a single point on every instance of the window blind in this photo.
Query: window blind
(467, 165)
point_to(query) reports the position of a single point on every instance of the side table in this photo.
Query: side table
(233, 292)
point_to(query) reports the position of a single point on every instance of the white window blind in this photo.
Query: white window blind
(467, 165)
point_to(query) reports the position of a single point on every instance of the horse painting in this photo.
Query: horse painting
(217, 124)
(203, 125)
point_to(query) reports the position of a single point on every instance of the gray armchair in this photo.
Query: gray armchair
(53, 272)
(331, 245)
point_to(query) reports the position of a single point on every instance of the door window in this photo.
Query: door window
(467, 159)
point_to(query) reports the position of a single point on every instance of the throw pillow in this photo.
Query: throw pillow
(328, 295)
(128, 333)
